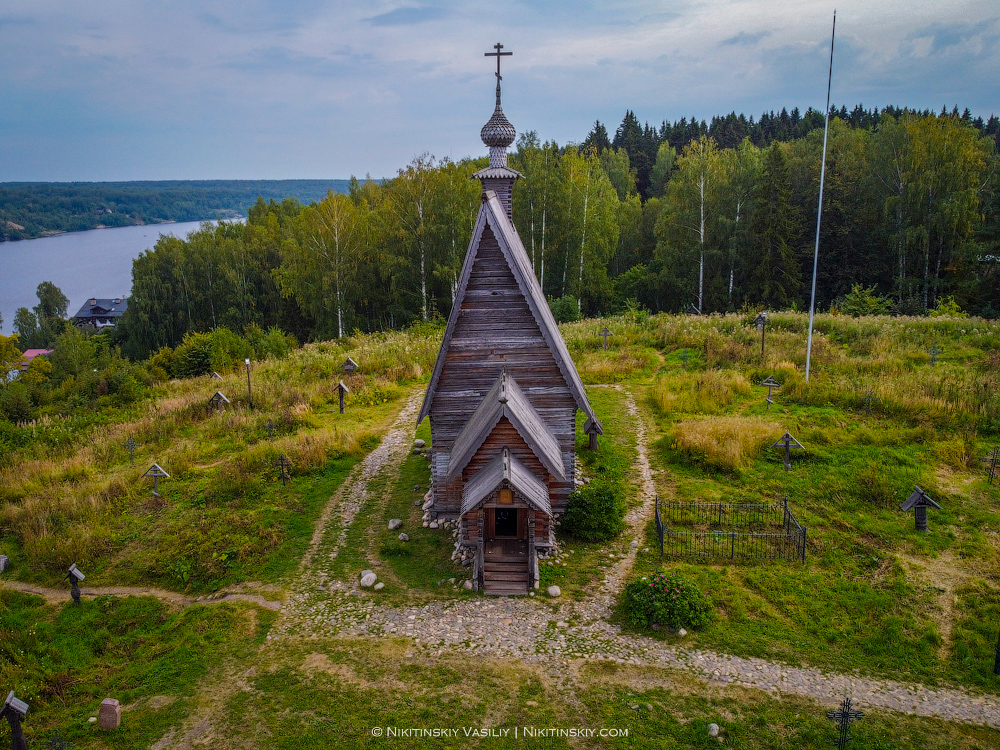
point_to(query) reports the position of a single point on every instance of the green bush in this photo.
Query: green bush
(595, 513)
(666, 599)
(565, 309)
(862, 301)
(193, 356)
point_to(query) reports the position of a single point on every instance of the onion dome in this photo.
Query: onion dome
(498, 132)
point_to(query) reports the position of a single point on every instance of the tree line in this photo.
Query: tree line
(911, 212)
(33, 209)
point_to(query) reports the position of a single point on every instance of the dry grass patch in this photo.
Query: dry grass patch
(709, 392)
(726, 442)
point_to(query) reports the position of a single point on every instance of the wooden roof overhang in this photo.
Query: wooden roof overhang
(505, 468)
(492, 212)
(506, 399)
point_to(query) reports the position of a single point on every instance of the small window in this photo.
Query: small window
(506, 497)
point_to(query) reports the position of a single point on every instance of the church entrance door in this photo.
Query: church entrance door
(505, 522)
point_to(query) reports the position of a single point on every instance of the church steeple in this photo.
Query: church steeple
(498, 134)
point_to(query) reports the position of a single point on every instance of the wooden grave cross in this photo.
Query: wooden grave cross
(771, 384)
(844, 716)
(684, 357)
(75, 575)
(788, 442)
(349, 366)
(218, 400)
(992, 459)
(215, 376)
(604, 335)
(934, 351)
(283, 465)
(919, 502)
(130, 445)
(341, 390)
(13, 711)
(155, 471)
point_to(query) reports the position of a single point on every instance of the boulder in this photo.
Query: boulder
(713, 730)
(365, 573)
(682, 632)
(416, 451)
(367, 581)
(4, 563)
(418, 443)
(553, 591)
(433, 525)
(395, 523)
(404, 538)
(467, 585)
(379, 586)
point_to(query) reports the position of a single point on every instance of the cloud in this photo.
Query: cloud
(745, 39)
(407, 16)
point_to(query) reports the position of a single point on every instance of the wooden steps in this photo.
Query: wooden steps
(505, 576)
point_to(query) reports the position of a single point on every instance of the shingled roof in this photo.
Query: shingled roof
(505, 467)
(506, 399)
(492, 213)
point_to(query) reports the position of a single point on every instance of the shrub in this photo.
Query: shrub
(861, 301)
(595, 513)
(666, 599)
(15, 403)
(565, 309)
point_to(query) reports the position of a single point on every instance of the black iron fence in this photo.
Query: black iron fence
(736, 531)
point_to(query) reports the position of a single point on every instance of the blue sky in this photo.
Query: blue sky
(201, 89)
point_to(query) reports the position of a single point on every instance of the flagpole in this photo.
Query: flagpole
(819, 210)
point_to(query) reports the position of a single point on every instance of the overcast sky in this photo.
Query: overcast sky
(254, 89)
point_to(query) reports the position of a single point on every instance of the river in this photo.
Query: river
(96, 263)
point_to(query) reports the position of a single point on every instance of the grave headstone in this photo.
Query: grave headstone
(110, 715)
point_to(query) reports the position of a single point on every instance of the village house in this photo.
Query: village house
(100, 313)
(503, 397)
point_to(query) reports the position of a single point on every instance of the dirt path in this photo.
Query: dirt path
(61, 596)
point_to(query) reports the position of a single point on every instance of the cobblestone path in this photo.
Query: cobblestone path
(557, 634)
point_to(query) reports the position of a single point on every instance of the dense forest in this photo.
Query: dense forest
(34, 209)
(660, 219)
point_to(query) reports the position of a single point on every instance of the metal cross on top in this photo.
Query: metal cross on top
(498, 54)
(604, 335)
(788, 442)
(283, 465)
(844, 716)
(992, 460)
(130, 445)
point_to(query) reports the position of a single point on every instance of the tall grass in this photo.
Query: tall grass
(728, 443)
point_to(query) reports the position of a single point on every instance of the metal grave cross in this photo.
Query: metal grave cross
(844, 716)
(771, 384)
(684, 359)
(498, 54)
(130, 445)
(155, 471)
(919, 502)
(13, 711)
(75, 575)
(349, 366)
(934, 352)
(788, 442)
(57, 743)
(283, 465)
(270, 427)
(341, 390)
(604, 335)
(992, 460)
(219, 399)
(868, 400)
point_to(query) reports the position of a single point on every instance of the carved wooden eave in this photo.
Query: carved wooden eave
(505, 468)
(492, 213)
(506, 399)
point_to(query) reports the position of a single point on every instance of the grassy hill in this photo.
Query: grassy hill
(874, 596)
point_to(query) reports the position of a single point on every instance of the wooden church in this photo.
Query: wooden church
(503, 396)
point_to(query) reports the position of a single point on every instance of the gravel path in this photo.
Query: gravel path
(557, 635)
